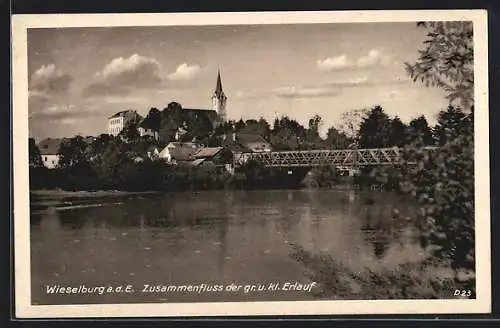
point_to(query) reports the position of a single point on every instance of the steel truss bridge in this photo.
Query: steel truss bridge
(341, 158)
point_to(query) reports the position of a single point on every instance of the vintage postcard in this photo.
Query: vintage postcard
(228, 164)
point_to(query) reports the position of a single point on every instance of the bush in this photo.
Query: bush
(443, 184)
(408, 281)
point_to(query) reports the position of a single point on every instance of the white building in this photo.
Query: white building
(118, 121)
(144, 131)
(49, 151)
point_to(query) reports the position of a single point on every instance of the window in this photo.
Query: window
(45, 158)
(45, 146)
(53, 162)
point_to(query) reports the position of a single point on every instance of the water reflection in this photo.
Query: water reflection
(211, 236)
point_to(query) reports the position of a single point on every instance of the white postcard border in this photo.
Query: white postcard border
(24, 309)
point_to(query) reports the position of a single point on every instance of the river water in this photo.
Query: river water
(230, 239)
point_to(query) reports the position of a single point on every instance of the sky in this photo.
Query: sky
(78, 77)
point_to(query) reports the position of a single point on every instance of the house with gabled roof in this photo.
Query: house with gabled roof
(49, 151)
(247, 142)
(217, 156)
(179, 152)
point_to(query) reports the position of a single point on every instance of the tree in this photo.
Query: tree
(315, 123)
(153, 119)
(336, 139)
(375, 129)
(198, 126)
(443, 184)
(420, 132)
(264, 127)
(287, 134)
(313, 138)
(443, 181)
(397, 132)
(35, 159)
(130, 132)
(260, 127)
(452, 122)
(99, 146)
(351, 122)
(225, 128)
(447, 60)
(171, 120)
(239, 125)
(73, 152)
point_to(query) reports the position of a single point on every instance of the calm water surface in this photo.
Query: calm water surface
(214, 238)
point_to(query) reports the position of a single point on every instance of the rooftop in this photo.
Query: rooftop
(244, 142)
(182, 153)
(50, 146)
(123, 113)
(176, 144)
(207, 152)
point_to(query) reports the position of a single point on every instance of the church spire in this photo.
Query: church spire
(218, 87)
(219, 98)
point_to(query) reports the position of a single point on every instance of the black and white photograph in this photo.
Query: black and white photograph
(206, 164)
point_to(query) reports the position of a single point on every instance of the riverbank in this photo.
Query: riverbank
(59, 193)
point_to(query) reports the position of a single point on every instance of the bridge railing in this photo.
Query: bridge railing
(335, 157)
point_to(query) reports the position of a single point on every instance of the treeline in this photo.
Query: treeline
(110, 163)
(122, 162)
(367, 128)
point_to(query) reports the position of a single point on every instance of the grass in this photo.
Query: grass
(408, 281)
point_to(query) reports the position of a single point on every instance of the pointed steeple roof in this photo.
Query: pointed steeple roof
(218, 87)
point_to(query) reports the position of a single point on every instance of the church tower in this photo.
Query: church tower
(219, 99)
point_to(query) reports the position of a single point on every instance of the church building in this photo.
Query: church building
(214, 116)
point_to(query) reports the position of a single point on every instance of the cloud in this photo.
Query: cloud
(54, 111)
(63, 111)
(374, 58)
(185, 72)
(123, 75)
(49, 80)
(329, 89)
(249, 94)
(333, 63)
(305, 92)
(125, 100)
(68, 121)
(358, 81)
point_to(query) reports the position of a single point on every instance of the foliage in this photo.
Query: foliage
(336, 281)
(452, 123)
(130, 132)
(260, 127)
(375, 129)
(419, 132)
(35, 159)
(398, 132)
(73, 152)
(351, 120)
(443, 183)
(153, 119)
(336, 139)
(447, 60)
